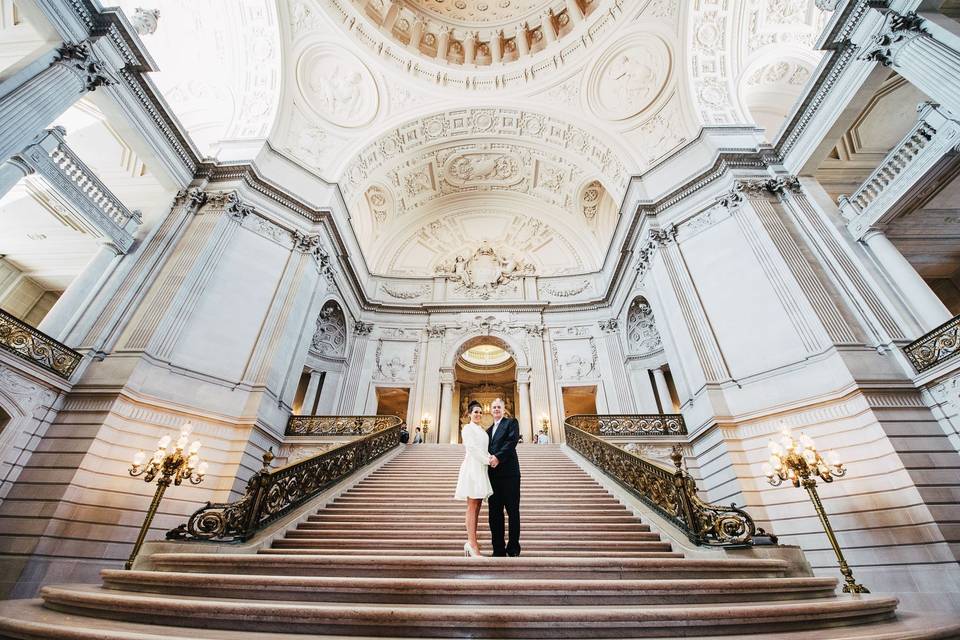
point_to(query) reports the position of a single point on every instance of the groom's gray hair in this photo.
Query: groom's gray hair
(500, 400)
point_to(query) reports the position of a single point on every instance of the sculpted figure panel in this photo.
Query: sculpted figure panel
(630, 77)
(337, 86)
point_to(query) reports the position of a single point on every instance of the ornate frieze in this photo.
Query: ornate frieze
(564, 291)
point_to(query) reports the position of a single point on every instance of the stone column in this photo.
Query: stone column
(546, 26)
(349, 399)
(923, 52)
(469, 48)
(446, 405)
(663, 390)
(30, 107)
(618, 372)
(525, 411)
(58, 321)
(416, 31)
(523, 44)
(310, 397)
(574, 11)
(921, 300)
(11, 172)
(443, 43)
(328, 393)
(496, 46)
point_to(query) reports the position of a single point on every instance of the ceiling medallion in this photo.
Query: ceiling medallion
(628, 79)
(337, 86)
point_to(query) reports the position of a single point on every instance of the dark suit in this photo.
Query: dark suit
(505, 480)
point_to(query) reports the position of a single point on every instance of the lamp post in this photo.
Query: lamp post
(173, 466)
(425, 425)
(799, 461)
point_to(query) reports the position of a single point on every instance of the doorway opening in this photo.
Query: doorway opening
(393, 401)
(484, 372)
(579, 400)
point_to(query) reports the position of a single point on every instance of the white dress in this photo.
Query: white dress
(473, 481)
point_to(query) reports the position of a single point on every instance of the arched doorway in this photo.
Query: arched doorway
(484, 372)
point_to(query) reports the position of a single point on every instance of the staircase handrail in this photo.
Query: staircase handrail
(333, 425)
(271, 494)
(670, 492)
(638, 424)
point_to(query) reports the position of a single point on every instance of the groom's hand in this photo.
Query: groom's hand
(493, 461)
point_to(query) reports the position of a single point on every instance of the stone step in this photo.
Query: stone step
(441, 527)
(466, 592)
(310, 540)
(276, 562)
(453, 535)
(452, 621)
(418, 509)
(452, 553)
(457, 516)
(28, 620)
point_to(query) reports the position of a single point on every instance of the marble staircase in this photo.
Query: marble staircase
(385, 559)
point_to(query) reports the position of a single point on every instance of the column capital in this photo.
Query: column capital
(446, 376)
(80, 58)
(897, 29)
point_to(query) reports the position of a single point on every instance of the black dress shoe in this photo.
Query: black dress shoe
(513, 555)
(499, 555)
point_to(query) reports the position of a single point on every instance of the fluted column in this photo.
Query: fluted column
(416, 31)
(496, 46)
(29, 107)
(524, 410)
(546, 26)
(350, 403)
(58, 321)
(923, 52)
(310, 397)
(617, 371)
(663, 390)
(469, 48)
(446, 405)
(11, 172)
(926, 307)
(574, 11)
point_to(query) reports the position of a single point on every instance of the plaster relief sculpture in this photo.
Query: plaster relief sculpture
(575, 359)
(407, 294)
(337, 86)
(484, 270)
(627, 80)
(330, 336)
(642, 335)
(145, 21)
(468, 169)
(396, 361)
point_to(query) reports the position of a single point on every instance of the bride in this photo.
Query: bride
(473, 484)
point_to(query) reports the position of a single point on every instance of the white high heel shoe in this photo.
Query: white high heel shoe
(469, 552)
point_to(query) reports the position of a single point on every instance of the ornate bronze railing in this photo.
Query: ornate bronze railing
(631, 425)
(21, 339)
(272, 494)
(940, 345)
(339, 425)
(671, 493)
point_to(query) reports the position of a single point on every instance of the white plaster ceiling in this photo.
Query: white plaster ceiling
(356, 92)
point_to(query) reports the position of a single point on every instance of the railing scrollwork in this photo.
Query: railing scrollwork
(339, 425)
(671, 493)
(271, 494)
(32, 345)
(939, 345)
(631, 425)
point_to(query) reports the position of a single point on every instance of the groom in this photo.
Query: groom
(505, 479)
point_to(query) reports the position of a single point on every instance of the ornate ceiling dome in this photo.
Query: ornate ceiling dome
(477, 32)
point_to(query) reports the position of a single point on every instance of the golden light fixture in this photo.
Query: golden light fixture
(425, 425)
(798, 461)
(545, 423)
(173, 466)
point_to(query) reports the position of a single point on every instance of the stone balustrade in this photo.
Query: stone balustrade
(52, 159)
(932, 137)
(339, 425)
(631, 425)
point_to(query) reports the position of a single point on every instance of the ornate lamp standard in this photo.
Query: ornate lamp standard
(799, 461)
(425, 426)
(545, 424)
(173, 466)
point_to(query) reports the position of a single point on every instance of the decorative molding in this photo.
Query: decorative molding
(330, 334)
(564, 291)
(407, 294)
